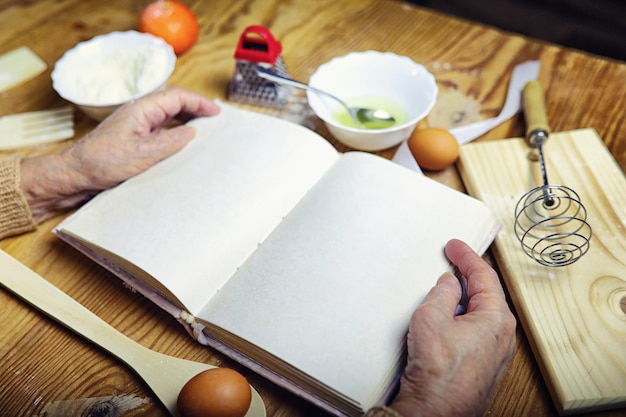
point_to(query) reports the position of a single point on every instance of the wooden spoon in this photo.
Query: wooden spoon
(164, 374)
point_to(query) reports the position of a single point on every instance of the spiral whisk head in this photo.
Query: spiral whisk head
(551, 224)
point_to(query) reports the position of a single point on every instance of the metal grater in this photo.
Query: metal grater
(257, 46)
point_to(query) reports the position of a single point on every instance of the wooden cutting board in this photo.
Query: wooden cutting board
(574, 316)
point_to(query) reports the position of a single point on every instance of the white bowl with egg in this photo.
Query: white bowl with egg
(109, 70)
(373, 79)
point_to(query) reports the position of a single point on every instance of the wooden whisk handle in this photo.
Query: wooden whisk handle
(534, 106)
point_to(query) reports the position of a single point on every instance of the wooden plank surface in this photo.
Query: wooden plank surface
(575, 315)
(472, 60)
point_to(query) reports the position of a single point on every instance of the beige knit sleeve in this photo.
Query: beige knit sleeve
(15, 215)
(382, 412)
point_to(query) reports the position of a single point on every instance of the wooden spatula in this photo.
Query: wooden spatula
(164, 374)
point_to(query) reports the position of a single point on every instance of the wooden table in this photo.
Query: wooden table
(42, 364)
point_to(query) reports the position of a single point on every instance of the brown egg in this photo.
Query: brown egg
(218, 392)
(433, 148)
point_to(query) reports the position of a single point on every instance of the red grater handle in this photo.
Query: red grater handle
(258, 45)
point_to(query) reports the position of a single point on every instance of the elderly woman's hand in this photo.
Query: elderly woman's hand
(454, 362)
(132, 139)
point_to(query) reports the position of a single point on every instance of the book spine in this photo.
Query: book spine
(197, 330)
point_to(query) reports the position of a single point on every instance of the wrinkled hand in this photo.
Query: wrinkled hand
(454, 362)
(133, 138)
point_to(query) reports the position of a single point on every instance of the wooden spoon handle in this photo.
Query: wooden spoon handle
(53, 302)
(165, 374)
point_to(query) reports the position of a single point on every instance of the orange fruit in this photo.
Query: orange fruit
(172, 21)
(433, 148)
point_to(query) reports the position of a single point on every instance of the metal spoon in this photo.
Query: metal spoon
(360, 116)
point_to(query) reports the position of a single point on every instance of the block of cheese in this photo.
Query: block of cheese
(19, 65)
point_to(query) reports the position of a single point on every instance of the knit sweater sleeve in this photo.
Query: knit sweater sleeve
(15, 215)
(381, 412)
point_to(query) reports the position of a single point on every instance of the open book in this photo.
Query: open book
(300, 262)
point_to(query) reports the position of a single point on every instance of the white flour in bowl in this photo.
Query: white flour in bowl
(121, 76)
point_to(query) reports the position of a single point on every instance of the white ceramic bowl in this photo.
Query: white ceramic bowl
(368, 78)
(106, 71)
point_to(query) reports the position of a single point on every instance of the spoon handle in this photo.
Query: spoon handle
(53, 302)
(164, 374)
(272, 76)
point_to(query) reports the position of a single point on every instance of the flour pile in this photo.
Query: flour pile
(121, 76)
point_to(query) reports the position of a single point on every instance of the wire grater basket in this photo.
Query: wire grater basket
(257, 46)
